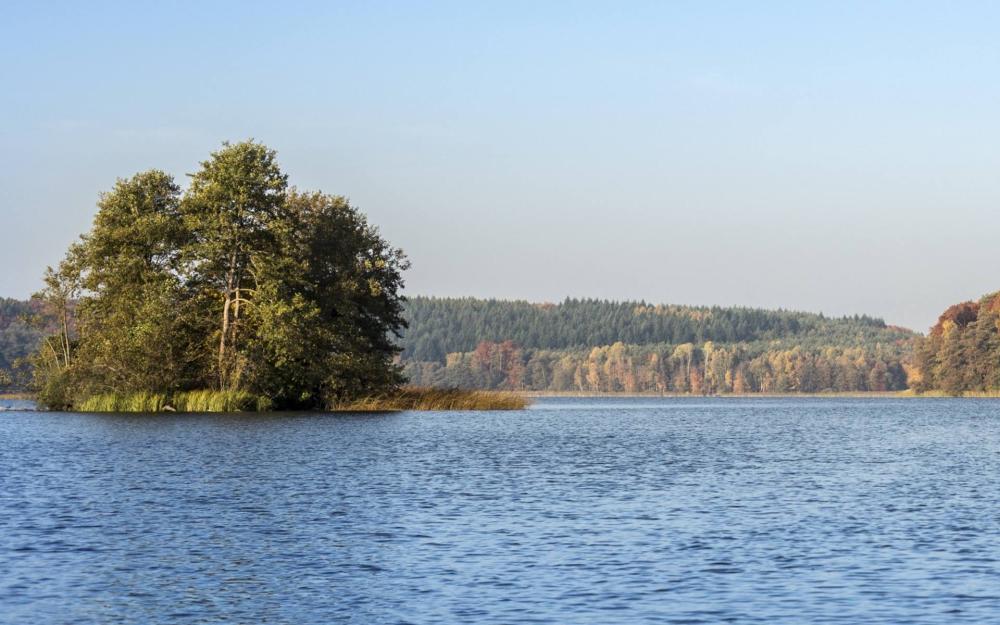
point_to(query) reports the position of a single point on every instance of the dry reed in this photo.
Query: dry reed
(416, 398)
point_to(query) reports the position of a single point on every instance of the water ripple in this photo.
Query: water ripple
(576, 511)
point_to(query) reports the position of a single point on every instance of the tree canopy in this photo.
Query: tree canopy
(238, 283)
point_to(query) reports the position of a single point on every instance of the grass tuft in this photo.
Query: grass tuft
(218, 401)
(417, 398)
(188, 401)
(132, 402)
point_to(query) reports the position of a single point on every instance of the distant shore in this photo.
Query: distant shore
(909, 393)
(454, 399)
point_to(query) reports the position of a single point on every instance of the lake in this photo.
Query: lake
(575, 511)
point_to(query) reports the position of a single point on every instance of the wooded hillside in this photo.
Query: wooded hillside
(601, 346)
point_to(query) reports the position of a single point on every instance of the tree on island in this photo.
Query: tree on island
(238, 284)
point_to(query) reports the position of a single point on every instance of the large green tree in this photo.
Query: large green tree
(235, 214)
(129, 322)
(327, 311)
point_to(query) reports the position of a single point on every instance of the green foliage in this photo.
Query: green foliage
(130, 333)
(235, 213)
(721, 350)
(325, 322)
(238, 285)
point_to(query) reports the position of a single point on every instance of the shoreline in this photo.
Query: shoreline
(907, 394)
(472, 400)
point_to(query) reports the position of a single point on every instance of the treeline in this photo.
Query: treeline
(708, 368)
(962, 351)
(22, 325)
(633, 347)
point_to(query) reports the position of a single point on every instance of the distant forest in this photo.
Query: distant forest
(633, 347)
(21, 329)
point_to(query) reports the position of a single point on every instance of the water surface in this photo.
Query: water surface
(576, 511)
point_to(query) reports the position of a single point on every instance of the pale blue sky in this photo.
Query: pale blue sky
(836, 157)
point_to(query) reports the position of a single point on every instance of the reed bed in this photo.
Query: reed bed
(188, 401)
(992, 394)
(416, 398)
(131, 402)
(410, 398)
(219, 401)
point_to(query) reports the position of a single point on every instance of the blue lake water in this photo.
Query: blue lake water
(575, 511)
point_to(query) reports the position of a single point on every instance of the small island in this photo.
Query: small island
(238, 293)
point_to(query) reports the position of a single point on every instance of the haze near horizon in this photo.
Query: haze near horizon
(835, 159)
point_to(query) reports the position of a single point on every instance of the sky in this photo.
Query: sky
(839, 157)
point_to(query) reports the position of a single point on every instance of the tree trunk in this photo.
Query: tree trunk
(65, 332)
(224, 337)
(222, 341)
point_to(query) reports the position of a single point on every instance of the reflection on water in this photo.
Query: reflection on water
(576, 511)
(7, 405)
